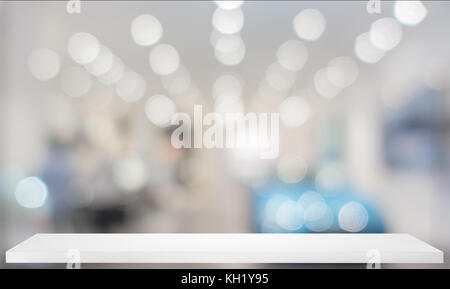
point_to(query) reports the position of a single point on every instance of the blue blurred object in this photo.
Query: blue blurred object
(413, 133)
(301, 208)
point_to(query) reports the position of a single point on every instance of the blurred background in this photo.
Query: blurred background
(86, 99)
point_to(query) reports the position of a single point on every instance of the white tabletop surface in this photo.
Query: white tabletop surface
(224, 248)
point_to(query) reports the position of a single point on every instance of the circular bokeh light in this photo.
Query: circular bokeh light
(294, 111)
(292, 55)
(228, 21)
(146, 30)
(43, 64)
(83, 47)
(353, 217)
(31, 192)
(309, 24)
(160, 109)
(164, 59)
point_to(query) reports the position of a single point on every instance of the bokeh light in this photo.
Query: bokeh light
(310, 197)
(410, 13)
(290, 216)
(114, 74)
(342, 71)
(227, 83)
(366, 51)
(131, 87)
(309, 24)
(83, 47)
(160, 109)
(228, 21)
(318, 217)
(294, 111)
(44, 64)
(131, 173)
(330, 177)
(280, 78)
(291, 168)
(233, 57)
(292, 55)
(272, 205)
(178, 82)
(75, 81)
(229, 4)
(228, 43)
(385, 33)
(31, 192)
(164, 59)
(353, 217)
(228, 103)
(323, 85)
(146, 30)
(102, 63)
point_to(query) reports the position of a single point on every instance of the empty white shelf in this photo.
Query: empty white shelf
(223, 248)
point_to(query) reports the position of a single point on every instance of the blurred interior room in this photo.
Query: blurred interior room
(87, 94)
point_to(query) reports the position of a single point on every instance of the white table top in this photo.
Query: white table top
(223, 248)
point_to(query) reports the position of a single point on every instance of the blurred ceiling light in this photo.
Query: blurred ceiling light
(323, 85)
(146, 30)
(342, 71)
(229, 4)
(102, 63)
(160, 109)
(31, 192)
(292, 55)
(228, 21)
(309, 24)
(131, 87)
(330, 178)
(178, 82)
(291, 168)
(410, 13)
(83, 47)
(366, 51)
(385, 33)
(310, 197)
(294, 111)
(164, 59)
(437, 74)
(227, 83)
(75, 81)
(279, 78)
(130, 174)
(318, 217)
(353, 217)
(43, 64)
(231, 58)
(114, 74)
(290, 216)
